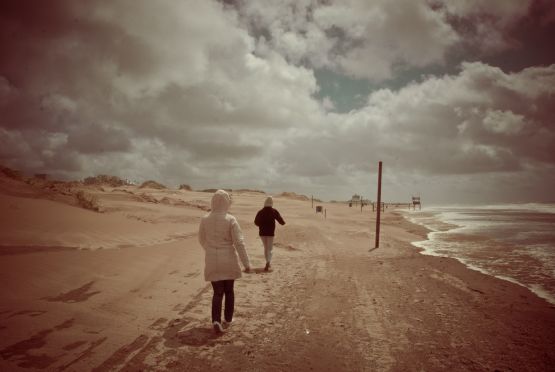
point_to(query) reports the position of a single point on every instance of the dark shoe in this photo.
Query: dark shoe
(218, 327)
(267, 267)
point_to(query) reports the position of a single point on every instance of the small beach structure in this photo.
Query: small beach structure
(415, 202)
(355, 199)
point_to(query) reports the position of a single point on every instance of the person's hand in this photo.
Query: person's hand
(247, 269)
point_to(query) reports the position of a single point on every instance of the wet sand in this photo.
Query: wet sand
(331, 303)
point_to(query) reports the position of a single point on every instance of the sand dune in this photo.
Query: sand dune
(332, 302)
(41, 222)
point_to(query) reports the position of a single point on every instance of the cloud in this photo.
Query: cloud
(358, 38)
(221, 95)
(106, 78)
(488, 27)
(377, 40)
(503, 122)
(481, 120)
(97, 138)
(505, 11)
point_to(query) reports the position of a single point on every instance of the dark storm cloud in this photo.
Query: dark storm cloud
(509, 34)
(98, 77)
(94, 138)
(52, 66)
(212, 150)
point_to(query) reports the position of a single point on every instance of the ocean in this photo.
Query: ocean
(514, 242)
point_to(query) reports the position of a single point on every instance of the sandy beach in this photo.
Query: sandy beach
(122, 290)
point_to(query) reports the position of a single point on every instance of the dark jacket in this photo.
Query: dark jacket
(266, 221)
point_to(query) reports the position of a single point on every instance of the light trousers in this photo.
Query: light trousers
(268, 242)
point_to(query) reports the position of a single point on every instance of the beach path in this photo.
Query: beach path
(331, 303)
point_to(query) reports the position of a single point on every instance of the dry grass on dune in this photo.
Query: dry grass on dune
(103, 179)
(87, 201)
(150, 184)
(249, 190)
(295, 196)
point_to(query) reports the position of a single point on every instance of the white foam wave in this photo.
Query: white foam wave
(537, 289)
(532, 207)
(441, 242)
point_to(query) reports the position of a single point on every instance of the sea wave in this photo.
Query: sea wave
(514, 242)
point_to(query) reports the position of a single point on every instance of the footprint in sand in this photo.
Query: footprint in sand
(31, 313)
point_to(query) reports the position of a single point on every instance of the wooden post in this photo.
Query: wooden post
(361, 203)
(379, 205)
(312, 198)
(325, 213)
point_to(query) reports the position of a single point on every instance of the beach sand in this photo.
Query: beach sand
(123, 290)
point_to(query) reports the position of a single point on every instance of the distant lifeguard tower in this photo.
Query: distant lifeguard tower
(415, 202)
(355, 199)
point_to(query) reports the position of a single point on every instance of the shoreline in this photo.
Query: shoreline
(539, 292)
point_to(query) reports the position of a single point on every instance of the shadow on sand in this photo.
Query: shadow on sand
(198, 336)
(77, 295)
(260, 270)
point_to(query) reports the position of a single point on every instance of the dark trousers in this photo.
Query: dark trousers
(223, 288)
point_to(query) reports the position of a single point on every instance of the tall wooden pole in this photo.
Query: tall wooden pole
(312, 199)
(379, 205)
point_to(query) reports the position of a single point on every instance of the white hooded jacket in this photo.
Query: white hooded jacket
(221, 237)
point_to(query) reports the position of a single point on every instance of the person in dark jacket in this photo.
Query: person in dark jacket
(266, 221)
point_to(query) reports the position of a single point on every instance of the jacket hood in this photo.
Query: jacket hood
(221, 201)
(269, 202)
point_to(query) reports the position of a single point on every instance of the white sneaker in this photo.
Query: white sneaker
(227, 324)
(218, 327)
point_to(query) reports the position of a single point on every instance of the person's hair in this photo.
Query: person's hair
(269, 202)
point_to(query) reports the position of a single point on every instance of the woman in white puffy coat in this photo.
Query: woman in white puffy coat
(222, 239)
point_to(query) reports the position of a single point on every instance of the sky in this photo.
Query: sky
(456, 97)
